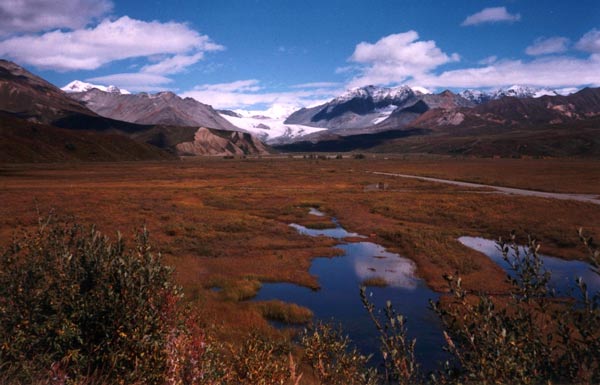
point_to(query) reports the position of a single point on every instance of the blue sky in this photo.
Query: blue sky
(256, 53)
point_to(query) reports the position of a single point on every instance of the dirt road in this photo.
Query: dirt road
(590, 198)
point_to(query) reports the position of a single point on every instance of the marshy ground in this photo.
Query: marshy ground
(223, 224)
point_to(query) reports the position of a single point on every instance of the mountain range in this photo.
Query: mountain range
(91, 122)
(143, 108)
(374, 109)
(448, 123)
(36, 114)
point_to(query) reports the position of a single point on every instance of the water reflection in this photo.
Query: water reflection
(314, 211)
(335, 232)
(338, 299)
(373, 261)
(563, 272)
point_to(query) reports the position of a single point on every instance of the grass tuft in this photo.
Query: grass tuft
(289, 313)
(375, 281)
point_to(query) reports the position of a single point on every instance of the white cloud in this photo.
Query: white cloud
(491, 15)
(239, 86)
(397, 58)
(174, 64)
(317, 85)
(17, 16)
(560, 71)
(244, 93)
(90, 48)
(134, 81)
(488, 60)
(590, 42)
(544, 46)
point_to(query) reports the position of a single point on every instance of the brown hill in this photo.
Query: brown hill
(546, 126)
(70, 129)
(161, 108)
(26, 142)
(218, 142)
(511, 112)
(31, 97)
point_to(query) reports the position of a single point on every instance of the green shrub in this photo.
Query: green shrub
(332, 358)
(260, 361)
(398, 351)
(75, 302)
(528, 337)
(78, 308)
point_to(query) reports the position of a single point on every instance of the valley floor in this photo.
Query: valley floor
(224, 222)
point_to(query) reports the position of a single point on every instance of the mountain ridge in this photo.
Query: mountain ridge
(160, 108)
(32, 111)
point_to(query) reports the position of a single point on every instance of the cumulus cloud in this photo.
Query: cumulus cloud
(590, 42)
(317, 85)
(491, 15)
(17, 16)
(245, 93)
(88, 49)
(489, 60)
(239, 86)
(174, 64)
(550, 71)
(396, 58)
(545, 46)
(546, 71)
(134, 81)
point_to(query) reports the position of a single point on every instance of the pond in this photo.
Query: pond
(338, 298)
(563, 272)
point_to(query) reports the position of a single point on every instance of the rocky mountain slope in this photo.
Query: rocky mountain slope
(208, 141)
(36, 117)
(161, 108)
(510, 112)
(374, 109)
(510, 126)
(31, 97)
(357, 108)
(516, 91)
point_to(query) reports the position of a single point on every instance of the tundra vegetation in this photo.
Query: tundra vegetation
(76, 307)
(223, 226)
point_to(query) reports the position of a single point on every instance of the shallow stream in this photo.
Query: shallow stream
(563, 272)
(338, 298)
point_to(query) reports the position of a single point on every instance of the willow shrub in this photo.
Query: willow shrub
(73, 305)
(531, 336)
(78, 308)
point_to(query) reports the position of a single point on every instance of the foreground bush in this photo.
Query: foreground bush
(528, 337)
(78, 308)
(74, 304)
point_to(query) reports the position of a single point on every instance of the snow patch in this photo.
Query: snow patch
(269, 129)
(79, 86)
(383, 113)
(516, 91)
(420, 90)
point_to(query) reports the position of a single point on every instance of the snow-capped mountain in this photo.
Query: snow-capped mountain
(160, 108)
(516, 91)
(79, 86)
(365, 107)
(381, 95)
(269, 125)
(356, 108)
